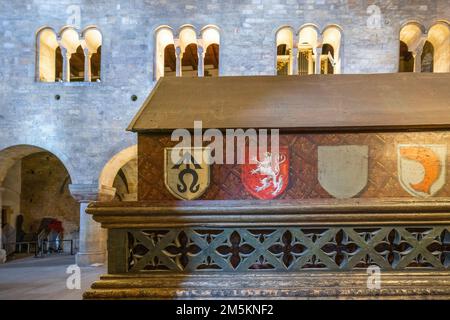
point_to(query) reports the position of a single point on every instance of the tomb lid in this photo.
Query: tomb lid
(309, 103)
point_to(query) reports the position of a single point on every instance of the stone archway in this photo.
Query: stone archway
(34, 189)
(115, 165)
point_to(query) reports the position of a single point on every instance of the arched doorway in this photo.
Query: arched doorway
(38, 211)
(120, 173)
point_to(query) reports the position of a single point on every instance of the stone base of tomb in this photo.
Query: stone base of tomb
(263, 285)
(303, 249)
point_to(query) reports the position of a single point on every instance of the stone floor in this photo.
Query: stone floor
(43, 278)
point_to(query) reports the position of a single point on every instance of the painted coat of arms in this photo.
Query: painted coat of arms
(268, 176)
(343, 170)
(421, 168)
(186, 173)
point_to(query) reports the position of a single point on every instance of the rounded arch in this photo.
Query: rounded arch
(414, 22)
(411, 33)
(208, 27)
(210, 34)
(10, 155)
(186, 35)
(48, 58)
(332, 35)
(163, 37)
(309, 35)
(112, 167)
(284, 43)
(89, 28)
(92, 37)
(70, 38)
(439, 38)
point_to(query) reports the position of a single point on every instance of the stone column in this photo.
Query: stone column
(87, 65)
(294, 59)
(2, 252)
(179, 57)
(66, 64)
(318, 55)
(417, 54)
(92, 246)
(201, 61)
(310, 62)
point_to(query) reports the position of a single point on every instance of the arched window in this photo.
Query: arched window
(95, 64)
(307, 40)
(77, 65)
(189, 52)
(49, 59)
(327, 61)
(58, 65)
(211, 44)
(179, 54)
(189, 62)
(93, 44)
(406, 63)
(165, 60)
(410, 39)
(282, 60)
(331, 57)
(212, 60)
(439, 40)
(170, 61)
(70, 41)
(427, 58)
(284, 42)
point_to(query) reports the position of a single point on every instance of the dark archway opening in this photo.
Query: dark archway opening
(406, 62)
(327, 66)
(58, 65)
(189, 62)
(170, 61)
(212, 60)
(96, 64)
(427, 57)
(282, 60)
(77, 65)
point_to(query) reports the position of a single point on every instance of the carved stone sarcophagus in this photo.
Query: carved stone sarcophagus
(349, 199)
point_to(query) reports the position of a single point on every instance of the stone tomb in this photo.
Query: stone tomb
(354, 204)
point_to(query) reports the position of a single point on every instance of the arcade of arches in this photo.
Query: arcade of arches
(423, 50)
(39, 202)
(69, 56)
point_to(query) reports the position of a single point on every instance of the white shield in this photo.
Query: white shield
(186, 171)
(421, 168)
(343, 170)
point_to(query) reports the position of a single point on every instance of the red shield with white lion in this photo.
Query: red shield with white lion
(268, 176)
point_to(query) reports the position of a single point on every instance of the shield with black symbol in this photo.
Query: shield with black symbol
(343, 170)
(186, 172)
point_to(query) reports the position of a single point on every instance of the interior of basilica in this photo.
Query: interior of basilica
(356, 94)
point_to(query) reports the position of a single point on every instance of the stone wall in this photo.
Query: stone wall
(11, 192)
(86, 126)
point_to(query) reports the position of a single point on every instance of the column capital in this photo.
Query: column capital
(91, 192)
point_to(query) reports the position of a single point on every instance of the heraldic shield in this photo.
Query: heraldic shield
(269, 176)
(421, 168)
(343, 170)
(186, 172)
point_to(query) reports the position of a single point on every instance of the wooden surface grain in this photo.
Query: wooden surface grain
(316, 102)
